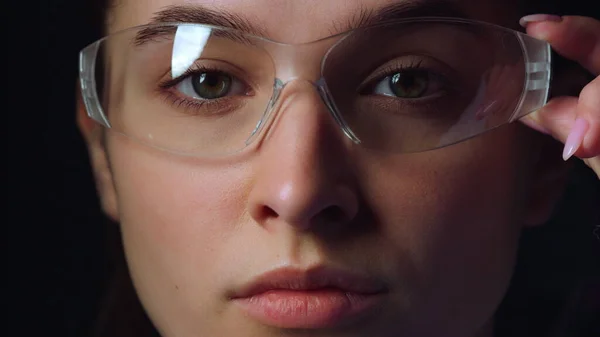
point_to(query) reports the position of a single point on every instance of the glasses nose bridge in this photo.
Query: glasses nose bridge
(300, 84)
(299, 61)
(297, 84)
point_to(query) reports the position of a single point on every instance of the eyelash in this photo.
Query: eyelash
(193, 106)
(389, 70)
(426, 103)
(226, 104)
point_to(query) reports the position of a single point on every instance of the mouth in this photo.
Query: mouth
(315, 298)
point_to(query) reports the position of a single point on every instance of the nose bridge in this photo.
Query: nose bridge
(302, 124)
(302, 176)
(295, 91)
(297, 74)
(299, 99)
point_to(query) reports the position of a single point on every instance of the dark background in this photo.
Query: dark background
(56, 234)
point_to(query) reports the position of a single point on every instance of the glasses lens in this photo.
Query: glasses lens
(421, 85)
(185, 88)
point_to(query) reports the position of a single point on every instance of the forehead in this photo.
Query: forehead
(295, 21)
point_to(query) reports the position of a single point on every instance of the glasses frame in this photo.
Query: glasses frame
(536, 57)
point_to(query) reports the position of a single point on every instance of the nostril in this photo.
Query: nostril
(329, 214)
(267, 212)
(333, 214)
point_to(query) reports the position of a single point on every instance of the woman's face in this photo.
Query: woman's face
(418, 244)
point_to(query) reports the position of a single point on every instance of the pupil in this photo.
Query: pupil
(209, 79)
(407, 81)
(409, 84)
(211, 85)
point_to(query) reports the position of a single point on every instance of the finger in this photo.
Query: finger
(588, 108)
(563, 116)
(574, 37)
(555, 118)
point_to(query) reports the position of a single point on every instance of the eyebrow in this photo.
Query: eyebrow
(401, 10)
(203, 15)
(363, 17)
(196, 14)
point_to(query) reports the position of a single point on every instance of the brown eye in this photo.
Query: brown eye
(409, 84)
(211, 85)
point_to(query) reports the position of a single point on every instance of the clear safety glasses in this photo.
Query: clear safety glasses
(402, 86)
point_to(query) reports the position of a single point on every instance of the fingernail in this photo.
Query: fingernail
(575, 137)
(538, 18)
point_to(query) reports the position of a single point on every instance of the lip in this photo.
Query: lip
(316, 298)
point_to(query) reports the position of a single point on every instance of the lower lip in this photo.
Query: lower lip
(308, 308)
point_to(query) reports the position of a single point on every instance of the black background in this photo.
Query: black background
(55, 232)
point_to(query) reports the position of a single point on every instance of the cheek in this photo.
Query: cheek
(170, 201)
(452, 217)
(174, 220)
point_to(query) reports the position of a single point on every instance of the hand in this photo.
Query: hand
(574, 121)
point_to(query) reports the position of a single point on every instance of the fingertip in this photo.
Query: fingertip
(542, 30)
(527, 20)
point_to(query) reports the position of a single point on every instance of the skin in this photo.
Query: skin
(439, 227)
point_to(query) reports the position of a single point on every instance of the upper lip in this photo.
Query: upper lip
(311, 279)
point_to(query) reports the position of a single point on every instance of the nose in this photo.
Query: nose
(303, 177)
